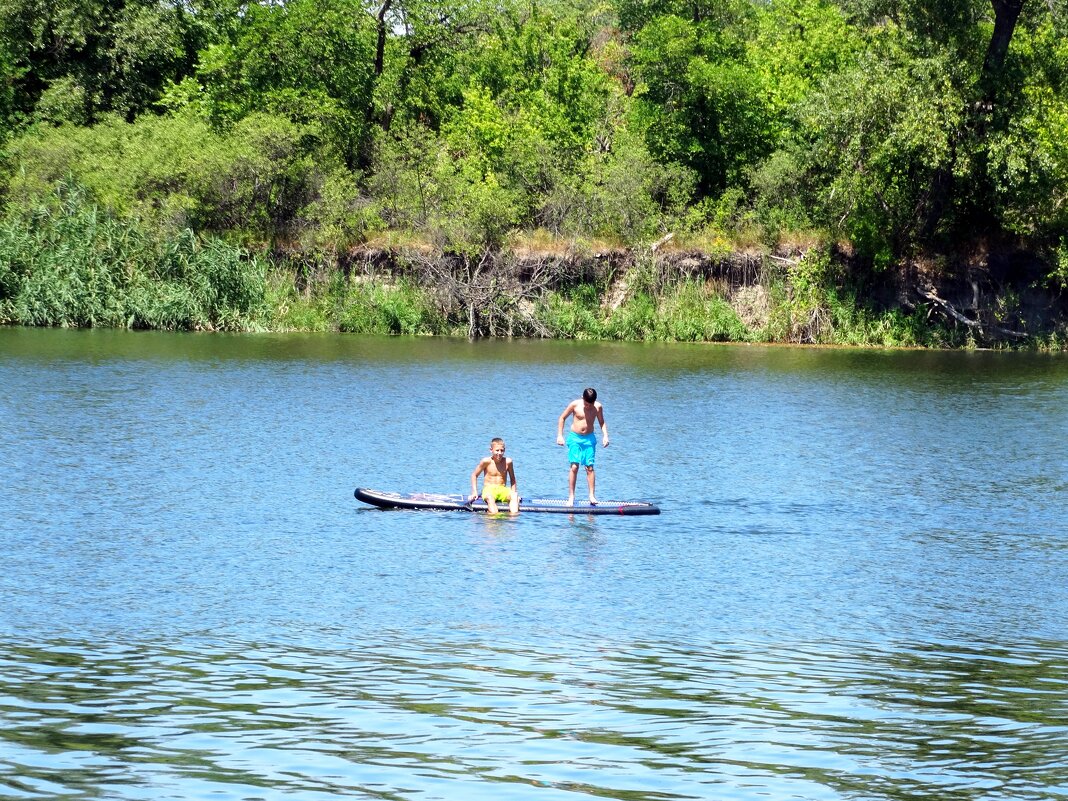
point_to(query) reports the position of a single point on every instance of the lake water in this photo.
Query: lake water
(858, 587)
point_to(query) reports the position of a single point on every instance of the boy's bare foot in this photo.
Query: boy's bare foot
(571, 501)
(593, 501)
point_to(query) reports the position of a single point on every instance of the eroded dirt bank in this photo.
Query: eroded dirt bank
(997, 297)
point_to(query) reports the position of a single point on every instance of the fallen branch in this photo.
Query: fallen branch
(660, 242)
(948, 308)
(489, 290)
(784, 260)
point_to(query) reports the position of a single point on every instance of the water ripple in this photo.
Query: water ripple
(446, 719)
(855, 591)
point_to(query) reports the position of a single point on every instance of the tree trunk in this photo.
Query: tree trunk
(380, 45)
(363, 147)
(1006, 13)
(472, 321)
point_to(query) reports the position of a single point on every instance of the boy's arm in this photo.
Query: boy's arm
(511, 475)
(474, 477)
(604, 427)
(560, 423)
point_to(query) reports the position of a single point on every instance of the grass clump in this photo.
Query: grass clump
(372, 307)
(574, 314)
(695, 312)
(354, 305)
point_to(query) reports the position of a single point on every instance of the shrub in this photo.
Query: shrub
(376, 308)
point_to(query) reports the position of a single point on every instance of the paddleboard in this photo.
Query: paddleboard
(459, 503)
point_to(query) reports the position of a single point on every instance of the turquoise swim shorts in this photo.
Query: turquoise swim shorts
(581, 448)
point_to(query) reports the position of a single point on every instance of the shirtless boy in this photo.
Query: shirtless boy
(582, 439)
(498, 470)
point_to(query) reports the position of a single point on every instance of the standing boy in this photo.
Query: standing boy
(582, 439)
(498, 470)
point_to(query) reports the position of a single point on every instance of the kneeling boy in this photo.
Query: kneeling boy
(498, 470)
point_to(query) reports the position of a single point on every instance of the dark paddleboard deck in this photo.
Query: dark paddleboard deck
(457, 503)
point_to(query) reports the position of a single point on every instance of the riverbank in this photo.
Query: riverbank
(72, 265)
(799, 294)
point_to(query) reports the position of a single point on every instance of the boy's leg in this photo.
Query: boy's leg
(513, 502)
(572, 476)
(591, 479)
(491, 504)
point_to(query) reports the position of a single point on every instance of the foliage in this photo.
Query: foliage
(254, 177)
(634, 320)
(798, 44)
(339, 215)
(1058, 276)
(1028, 156)
(873, 140)
(353, 304)
(71, 264)
(76, 60)
(307, 127)
(623, 194)
(371, 307)
(699, 102)
(290, 309)
(574, 314)
(308, 61)
(696, 312)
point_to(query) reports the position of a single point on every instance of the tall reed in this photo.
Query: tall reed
(67, 262)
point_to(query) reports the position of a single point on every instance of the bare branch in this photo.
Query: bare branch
(948, 309)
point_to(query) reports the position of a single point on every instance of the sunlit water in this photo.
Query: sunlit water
(858, 587)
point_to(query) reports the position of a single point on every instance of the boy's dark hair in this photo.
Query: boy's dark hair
(589, 394)
(495, 440)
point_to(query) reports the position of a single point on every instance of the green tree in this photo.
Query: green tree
(1028, 157)
(797, 44)
(421, 49)
(530, 103)
(75, 60)
(876, 138)
(974, 40)
(697, 99)
(251, 180)
(310, 61)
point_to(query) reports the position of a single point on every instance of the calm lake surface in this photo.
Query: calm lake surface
(858, 587)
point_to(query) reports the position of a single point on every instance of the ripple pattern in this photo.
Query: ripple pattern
(463, 719)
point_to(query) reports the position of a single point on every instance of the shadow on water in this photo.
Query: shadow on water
(950, 367)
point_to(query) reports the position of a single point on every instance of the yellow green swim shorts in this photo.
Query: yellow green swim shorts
(499, 492)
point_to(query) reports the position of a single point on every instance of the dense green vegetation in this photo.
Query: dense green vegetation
(67, 263)
(217, 164)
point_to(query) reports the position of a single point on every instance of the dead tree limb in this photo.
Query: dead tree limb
(493, 293)
(949, 310)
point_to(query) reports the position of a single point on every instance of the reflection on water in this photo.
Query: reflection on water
(855, 591)
(458, 719)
